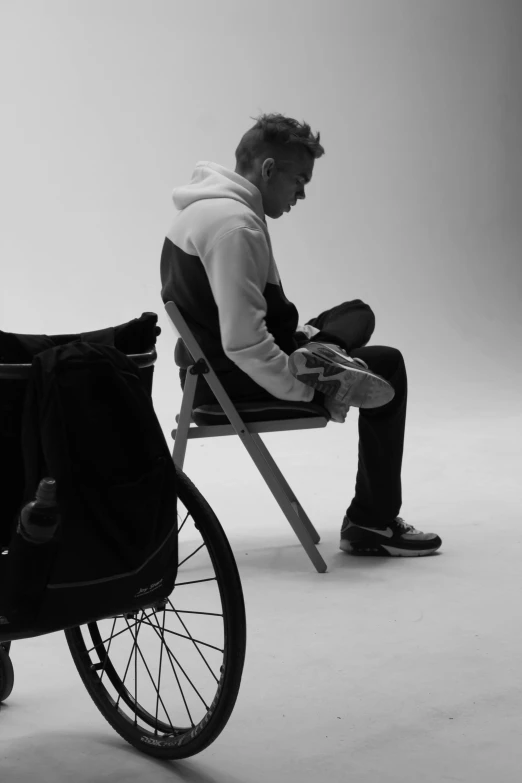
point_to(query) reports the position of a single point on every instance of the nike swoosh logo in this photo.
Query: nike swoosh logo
(344, 359)
(337, 351)
(388, 532)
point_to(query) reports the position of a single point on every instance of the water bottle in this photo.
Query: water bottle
(39, 519)
(30, 556)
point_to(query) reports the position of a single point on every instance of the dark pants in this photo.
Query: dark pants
(378, 489)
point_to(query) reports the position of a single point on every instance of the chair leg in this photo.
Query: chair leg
(299, 527)
(290, 506)
(290, 494)
(181, 433)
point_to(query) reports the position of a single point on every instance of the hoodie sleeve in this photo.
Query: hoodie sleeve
(308, 331)
(237, 266)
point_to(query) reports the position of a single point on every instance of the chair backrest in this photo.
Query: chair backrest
(201, 362)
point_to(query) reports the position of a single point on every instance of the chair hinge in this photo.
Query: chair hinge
(201, 367)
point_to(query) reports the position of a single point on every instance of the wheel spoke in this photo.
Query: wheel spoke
(191, 555)
(137, 649)
(127, 668)
(109, 638)
(106, 653)
(195, 581)
(192, 611)
(170, 656)
(159, 670)
(195, 642)
(136, 674)
(182, 636)
(180, 528)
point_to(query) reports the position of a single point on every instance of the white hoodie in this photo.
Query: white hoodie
(218, 267)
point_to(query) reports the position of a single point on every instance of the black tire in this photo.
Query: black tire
(6, 674)
(158, 738)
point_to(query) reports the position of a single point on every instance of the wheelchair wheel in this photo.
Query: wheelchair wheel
(167, 677)
(6, 673)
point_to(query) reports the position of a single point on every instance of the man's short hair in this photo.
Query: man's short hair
(272, 136)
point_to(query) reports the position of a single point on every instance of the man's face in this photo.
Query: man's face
(283, 181)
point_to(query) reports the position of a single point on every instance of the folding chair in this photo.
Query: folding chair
(246, 420)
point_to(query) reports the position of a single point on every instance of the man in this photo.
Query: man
(218, 267)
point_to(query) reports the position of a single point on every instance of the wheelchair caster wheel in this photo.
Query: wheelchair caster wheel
(6, 675)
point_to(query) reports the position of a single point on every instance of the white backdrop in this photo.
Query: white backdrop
(371, 671)
(415, 208)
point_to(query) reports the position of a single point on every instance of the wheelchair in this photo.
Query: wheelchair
(165, 677)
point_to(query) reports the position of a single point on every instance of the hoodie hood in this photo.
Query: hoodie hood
(210, 180)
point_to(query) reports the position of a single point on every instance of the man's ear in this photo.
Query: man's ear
(268, 168)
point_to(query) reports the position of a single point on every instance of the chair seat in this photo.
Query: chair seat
(207, 415)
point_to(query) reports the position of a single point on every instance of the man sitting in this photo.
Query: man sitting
(217, 265)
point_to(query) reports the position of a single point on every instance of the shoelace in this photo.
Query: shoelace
(405, 527)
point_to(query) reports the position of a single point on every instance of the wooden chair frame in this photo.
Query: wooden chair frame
(248, 432)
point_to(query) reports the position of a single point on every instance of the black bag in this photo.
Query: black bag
(88, 422)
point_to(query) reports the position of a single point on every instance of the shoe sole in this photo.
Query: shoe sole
(349, 383)
(383, 550)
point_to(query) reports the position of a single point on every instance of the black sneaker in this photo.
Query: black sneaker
(396, 540)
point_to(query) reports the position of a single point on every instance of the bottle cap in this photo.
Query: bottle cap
(46, 491)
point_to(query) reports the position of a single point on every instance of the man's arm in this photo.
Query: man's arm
(237, 266)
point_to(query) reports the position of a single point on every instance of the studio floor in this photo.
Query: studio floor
(394, 670)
